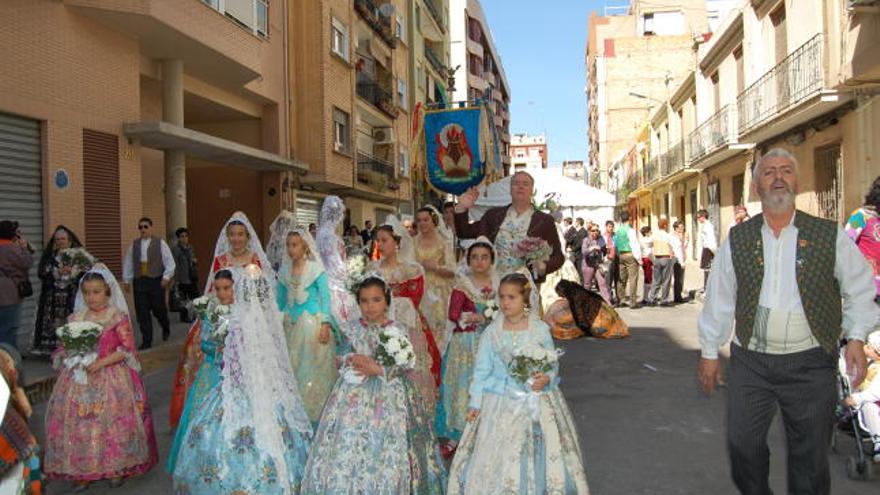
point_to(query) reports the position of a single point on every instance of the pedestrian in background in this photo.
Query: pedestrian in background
(629, 257)
(646, 242)
(663, 263)
(787, 303)
(679, 251)
(709, 243)
(863, 228)
(186, 276)
(594, 250)
(15, 262)
(612, 273)
(149, 266)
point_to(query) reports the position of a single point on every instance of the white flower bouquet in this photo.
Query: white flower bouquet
(209, 308)
(356, 272)
(491, 310)
(77, 259)
(80, 341)
(532, 359)
(395, 349)
(535, 252)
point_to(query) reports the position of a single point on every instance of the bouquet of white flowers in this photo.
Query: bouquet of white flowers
(356, 272)
(532, 359)
(395, 349)
(209, 307)
(491, 310)
(77, 259)
(80, 341)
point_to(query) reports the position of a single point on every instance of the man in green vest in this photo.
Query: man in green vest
(788, 286)
(629, 258)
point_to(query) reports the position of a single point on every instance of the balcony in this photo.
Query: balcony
(673, 160)
(717, 133)
(375, 172)
(651, 171)
(436, 14)
(377, 95)
(435, 61)
(379, 22)
(792, 93)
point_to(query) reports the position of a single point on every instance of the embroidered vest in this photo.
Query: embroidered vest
(154, 267)
(814, 260)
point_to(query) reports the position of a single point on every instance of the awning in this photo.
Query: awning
(165, 136)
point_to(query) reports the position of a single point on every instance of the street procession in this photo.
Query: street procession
(294, 247)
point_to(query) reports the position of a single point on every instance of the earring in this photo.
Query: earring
(527, 310)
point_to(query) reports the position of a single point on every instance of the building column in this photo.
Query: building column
(175, 160)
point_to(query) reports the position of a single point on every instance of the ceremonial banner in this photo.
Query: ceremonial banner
(459, 147)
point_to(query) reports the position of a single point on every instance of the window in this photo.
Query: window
(827, 173)
(404, 163)
(341, 131)
(738, 185)
(400, 29)
(419, 18)
(401, 93)
(262, 11)
(648, 24)
(740, 69)
(663, 24)
(339, 38)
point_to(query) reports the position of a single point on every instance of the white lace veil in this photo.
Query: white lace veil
(222, 247)
(407, 251)
(117, 297)
(259, 388)
(331, 251)
(313, 255)
(442, 229)
(276, 248)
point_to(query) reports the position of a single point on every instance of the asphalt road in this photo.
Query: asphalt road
(644, 426)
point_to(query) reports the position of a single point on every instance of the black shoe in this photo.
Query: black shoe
(679, 301)
(165, 335)
(144, 346)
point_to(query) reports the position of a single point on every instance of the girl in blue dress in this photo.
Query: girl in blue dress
(530, 419)
(247, 431)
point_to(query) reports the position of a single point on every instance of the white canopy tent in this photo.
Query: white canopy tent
(575, 198)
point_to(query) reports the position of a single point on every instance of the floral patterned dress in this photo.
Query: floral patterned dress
(437, 289)
(407, 281)
(104, 428)
(458, 362)
(514, 229)
(206, 462)
(373, 437)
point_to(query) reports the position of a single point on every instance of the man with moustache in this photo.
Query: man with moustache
(788, 286)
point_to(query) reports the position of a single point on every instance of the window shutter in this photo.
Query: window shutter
(101, 191)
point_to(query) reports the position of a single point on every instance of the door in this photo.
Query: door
(21, 197)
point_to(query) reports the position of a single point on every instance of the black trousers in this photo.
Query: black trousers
(149, 297)
(677, 281)
(803, 387)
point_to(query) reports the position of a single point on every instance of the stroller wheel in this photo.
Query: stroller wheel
(859, 471)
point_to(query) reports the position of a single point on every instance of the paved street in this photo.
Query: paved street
(644, 427)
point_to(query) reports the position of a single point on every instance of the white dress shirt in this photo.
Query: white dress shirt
(779, 290)
(679, 246)
(634, 244)
(167, 260)
(707, 236)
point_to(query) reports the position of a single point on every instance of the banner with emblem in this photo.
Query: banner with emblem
(460, 148)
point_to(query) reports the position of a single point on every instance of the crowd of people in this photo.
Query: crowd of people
(289, 382)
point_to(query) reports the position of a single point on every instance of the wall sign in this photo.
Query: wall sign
(62, 179)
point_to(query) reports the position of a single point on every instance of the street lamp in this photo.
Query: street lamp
(643, 97)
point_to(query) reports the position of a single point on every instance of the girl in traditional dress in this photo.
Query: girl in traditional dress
(374, 436)
(102, 429)
(237, 246)
(474, 291)
(58, 293)
(304, 298)
(406, 278)
(20, 472)
(435, 253)
(531, 420)
(249, 433)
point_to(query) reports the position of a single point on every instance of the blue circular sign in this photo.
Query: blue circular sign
(62, 179)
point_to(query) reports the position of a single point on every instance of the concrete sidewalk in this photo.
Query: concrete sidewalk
(39, 377)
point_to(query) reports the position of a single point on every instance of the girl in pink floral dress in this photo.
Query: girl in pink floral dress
(102, 429)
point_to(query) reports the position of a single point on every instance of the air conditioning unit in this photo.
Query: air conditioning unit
(383, 135)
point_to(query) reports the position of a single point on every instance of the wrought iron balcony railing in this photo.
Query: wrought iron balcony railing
(717, 131)
(379, 22)
(435, 61)
(651, 171)
(673, 160)
(377, 95)
(799, 76)
(374, 172)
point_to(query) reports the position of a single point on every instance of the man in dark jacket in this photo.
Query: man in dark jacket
(505, 218)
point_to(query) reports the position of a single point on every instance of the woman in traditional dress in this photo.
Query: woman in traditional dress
(863, 227)
(520, 437)
(304, 298)
(473, 293)
(374, 436)
(250, 432)
(237, 246)
(60, 283)
(276, 248)
(101, 429)
(20, 472)
(406, 278)
(435, 253)
(588, 311)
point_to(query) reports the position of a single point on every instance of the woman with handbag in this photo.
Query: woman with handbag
(15, 262)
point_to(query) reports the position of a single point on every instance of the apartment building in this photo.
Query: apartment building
(110, 111)
(633, 62)
(762, 82)
(479, 73)
(574, 169)
(350, 93)
(528, 152)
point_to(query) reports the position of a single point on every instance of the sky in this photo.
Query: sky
(542, 50)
